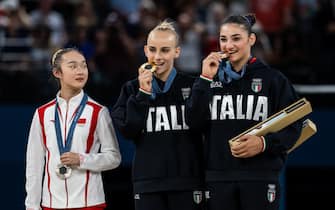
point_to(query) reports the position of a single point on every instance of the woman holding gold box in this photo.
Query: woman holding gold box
(234, 92)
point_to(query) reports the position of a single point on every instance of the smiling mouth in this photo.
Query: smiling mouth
(158, 65)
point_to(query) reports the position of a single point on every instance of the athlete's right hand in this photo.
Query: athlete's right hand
(211, 64)
(144, 79)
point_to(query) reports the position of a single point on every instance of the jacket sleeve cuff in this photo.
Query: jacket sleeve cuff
(206, 78)
(143, 96)
(144, 91)
(263, 144)
(81, 159)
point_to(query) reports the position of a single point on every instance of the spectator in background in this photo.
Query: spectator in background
(79, 37)
(306, 26)
(262, 48)
(274, 16)
(71, 141)
(115, 55)
(129, 8)
(101, 10)
(15, 45)
(216, 12)
(168, 165)
(41, 52)
(190, 42)
(148, 15)
(85, 14)
(45, 15)
(42, 47)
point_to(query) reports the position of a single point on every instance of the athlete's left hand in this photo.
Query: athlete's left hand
(247, 146)
(70, 159)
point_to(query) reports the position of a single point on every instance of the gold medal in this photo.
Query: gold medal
(149, 66)
(224, 55)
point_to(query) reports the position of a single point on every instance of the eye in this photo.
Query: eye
(223, 39)
(83, 66)
(166, 50)
(236, 38)
(152, 49)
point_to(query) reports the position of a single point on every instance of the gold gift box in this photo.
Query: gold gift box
(308, 130)
(283, 118)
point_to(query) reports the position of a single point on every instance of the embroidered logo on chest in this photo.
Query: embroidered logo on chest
(185, 92)
(216, 84)
(197, 196)
(271, 195)
(256, 85)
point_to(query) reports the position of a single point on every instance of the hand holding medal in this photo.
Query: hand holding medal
(149, 66)
(145, 75)
(68, 161)
(68, 158)
(211, 63)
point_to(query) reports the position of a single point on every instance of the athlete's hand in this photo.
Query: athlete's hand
(145, 79)
(211, 64)
(247, 146)
(70, 159)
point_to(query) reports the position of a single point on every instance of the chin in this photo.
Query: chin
(79, 87)
(159, 71)
(235, 59)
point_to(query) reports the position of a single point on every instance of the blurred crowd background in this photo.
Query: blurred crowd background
(295, 36)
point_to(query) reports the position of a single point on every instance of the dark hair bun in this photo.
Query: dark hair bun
(251, 18)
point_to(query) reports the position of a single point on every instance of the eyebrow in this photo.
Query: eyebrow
(234, 35)
(74, 62)
(166, 47)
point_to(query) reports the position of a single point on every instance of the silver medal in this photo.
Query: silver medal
(63, 171)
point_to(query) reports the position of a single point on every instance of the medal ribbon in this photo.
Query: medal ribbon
(65, 148)
(155, 87)
(226, 72)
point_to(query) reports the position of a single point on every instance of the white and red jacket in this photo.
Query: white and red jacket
(94, 139)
